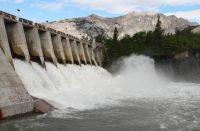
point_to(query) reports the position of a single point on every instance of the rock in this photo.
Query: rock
(196, 30)
(183, 67)
(182, 55)
(128, 24)
(41, 106)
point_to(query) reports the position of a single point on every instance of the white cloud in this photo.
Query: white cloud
(193, 15)
(124, 6)
(18, 1)
(115, 6)
(53, 6)
(12, 1)
(50, 6)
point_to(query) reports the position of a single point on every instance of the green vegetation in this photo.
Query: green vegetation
(155, 44)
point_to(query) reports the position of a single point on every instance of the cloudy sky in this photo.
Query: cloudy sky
(42, 10)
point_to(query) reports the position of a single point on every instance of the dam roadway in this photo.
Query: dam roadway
(29, 41)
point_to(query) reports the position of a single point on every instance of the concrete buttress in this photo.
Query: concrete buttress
(100, 56)
(58, 48)
(92, 55)
(17, 40)
(67, 50)
(81, 52)
(4, 45)
(34, 44)
(87, 54)
(75, 52)
(47, 46)
(97, 56)
(14, 99)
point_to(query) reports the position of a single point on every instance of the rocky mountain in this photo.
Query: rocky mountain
(196, 30)
(130, 24)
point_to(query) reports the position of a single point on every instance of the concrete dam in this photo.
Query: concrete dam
(29, 41)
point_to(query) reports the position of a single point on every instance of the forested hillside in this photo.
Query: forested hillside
(155, 44)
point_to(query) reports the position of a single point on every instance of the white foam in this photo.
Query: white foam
(86, 87)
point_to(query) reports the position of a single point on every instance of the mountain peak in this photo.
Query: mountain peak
(141, 13)
(129, 24)
(95, 16)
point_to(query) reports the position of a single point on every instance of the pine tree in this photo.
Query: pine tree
(158, 38)
(158, 32)
(115, 35)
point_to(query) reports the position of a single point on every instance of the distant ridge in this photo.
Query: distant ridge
(130, 24)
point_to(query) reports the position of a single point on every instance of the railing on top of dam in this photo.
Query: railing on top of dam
(8, 15)
(32, 41)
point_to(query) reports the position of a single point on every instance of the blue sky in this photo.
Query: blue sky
(42, 10)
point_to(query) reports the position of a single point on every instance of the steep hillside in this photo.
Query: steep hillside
(128, 24)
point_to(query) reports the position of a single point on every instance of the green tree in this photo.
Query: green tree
(158, 39)
(153, 43)
(116, 34)
(158, 32)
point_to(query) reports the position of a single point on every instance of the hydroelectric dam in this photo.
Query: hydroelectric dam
(29, 41)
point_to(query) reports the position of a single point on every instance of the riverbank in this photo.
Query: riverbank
(182, 67)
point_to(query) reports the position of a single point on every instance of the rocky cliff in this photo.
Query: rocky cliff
(196, 30)
(183, 67)
(128, 24)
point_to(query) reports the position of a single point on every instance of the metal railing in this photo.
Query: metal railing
(40, 26)
(5, 14)
(26, 21)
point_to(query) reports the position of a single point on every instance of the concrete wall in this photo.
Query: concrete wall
(67, 50)
(93, 52)
(14, 99)
(17, 40)
(29, 40)
(92, 55)
(96, 55)
(58, 48)
(47, 46)
(81, 52)
(87, 53)
(99, 55)
(34, 44)
(25, 39)
(4, 45)
(75, 52)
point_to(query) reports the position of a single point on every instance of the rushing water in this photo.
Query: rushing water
(88, 98)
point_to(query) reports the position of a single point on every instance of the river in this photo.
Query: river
(88, 98)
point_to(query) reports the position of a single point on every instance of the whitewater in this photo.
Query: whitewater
(135, 95)
(85, 87)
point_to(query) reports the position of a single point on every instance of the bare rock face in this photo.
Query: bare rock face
(182, 55)
(196, 30)
(130, 24)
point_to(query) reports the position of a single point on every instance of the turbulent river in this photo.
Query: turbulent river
(88, 98)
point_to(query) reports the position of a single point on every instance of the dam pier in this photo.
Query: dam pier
(29, 41)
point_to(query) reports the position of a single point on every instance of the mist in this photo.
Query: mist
(90, 87)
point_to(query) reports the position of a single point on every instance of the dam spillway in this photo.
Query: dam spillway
(29, 41)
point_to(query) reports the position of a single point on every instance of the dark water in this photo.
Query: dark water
(131, 115)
